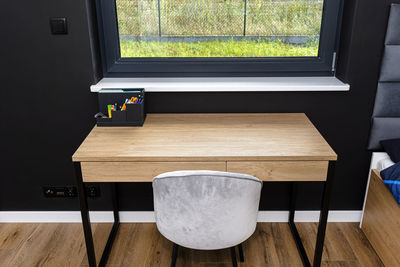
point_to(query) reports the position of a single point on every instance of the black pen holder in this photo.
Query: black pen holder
(118, 116)
(134, 115)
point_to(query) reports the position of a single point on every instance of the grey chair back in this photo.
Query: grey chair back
(206, 209)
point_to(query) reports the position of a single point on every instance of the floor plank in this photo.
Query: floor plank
(141, 245)
(11, 235)
(360, 246)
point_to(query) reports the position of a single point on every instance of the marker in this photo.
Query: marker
(109, 110)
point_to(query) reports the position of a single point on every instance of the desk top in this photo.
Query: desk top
(208, 137)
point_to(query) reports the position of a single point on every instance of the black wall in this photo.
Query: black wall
(47, 109)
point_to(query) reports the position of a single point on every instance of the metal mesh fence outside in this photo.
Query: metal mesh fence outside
(177, 18)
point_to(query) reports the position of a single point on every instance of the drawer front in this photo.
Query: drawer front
(139, 171)
(285, 171)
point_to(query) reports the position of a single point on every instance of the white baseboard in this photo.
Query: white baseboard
(73, 216)
(148, 216)
(310, 216)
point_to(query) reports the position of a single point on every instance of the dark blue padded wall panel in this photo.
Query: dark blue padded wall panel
(385, 128)
(387, 100)
(386, 115)
(390, 71)
(392, 34)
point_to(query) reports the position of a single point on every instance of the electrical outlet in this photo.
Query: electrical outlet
(92, 191)
(59, 191)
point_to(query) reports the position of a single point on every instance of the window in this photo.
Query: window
(218, 37)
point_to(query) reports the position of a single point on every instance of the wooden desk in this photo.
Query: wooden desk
(272, 147)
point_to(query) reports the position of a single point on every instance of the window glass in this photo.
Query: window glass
(219, 28)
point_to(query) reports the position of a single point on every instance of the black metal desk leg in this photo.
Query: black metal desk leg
(114, 196)
(87, 230)
(293, 229)
(323, 218)
(114, 230)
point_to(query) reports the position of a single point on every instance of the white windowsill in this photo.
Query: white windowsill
(225, 84)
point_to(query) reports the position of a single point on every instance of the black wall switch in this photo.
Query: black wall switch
(58, 25)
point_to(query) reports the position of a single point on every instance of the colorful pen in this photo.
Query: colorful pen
(109, 110)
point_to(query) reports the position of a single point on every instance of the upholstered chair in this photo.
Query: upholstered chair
(206, 210)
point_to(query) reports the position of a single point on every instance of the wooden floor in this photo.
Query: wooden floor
(141, 245)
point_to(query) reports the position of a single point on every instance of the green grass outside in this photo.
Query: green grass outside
(231, 48)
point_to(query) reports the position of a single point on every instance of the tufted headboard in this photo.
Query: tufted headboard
(386, 115)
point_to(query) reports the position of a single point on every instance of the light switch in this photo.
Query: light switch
(58, 25)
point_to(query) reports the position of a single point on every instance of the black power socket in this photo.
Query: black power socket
(60, 191)
(92, 191)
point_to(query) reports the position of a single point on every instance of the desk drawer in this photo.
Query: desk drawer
(139, 171)
(282, 170)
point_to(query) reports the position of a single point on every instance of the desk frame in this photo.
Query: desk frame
(87, 229)
(293, 195)
(323, 219)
